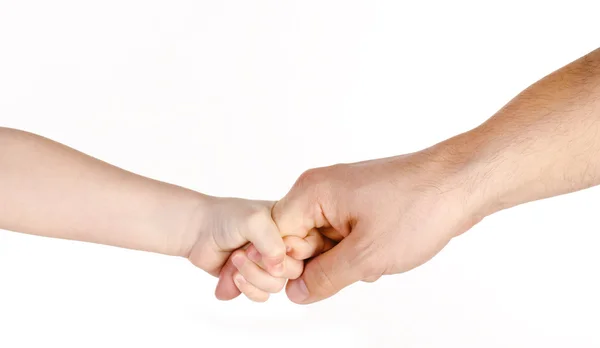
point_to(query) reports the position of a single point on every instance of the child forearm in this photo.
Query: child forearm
(52, 190)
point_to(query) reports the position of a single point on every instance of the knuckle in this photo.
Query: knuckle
(309, 177)
(316, 179)
(317, 176)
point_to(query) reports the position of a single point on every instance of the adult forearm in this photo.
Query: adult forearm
(52, 190)
(545, 142)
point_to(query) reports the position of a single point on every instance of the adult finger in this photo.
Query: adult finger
(328, 273)
(311, 245)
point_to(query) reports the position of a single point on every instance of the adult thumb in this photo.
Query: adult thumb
(328, 273)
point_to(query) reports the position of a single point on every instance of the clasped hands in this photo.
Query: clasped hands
(336, 226)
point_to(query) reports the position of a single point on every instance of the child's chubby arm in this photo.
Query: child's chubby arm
(49, 189)
(245, 270)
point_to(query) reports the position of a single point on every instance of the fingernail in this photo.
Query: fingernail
(298, 292)
(253, 255)
(238, 260)
(238, 279)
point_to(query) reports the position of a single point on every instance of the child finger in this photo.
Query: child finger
(249, 290)
(226, 289)
(256, 276)
(292, 268)
(264, 235)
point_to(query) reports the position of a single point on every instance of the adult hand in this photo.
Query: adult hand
(397, 213)
(391, 215)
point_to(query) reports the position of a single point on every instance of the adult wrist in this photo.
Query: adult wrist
(469, 171)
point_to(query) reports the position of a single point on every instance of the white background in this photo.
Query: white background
(237, 98)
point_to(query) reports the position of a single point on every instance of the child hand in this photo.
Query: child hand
(223, 225)
(245, 270)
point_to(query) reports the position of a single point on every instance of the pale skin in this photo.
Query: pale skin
(394, 214)
(49, 189)
(362, 220)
